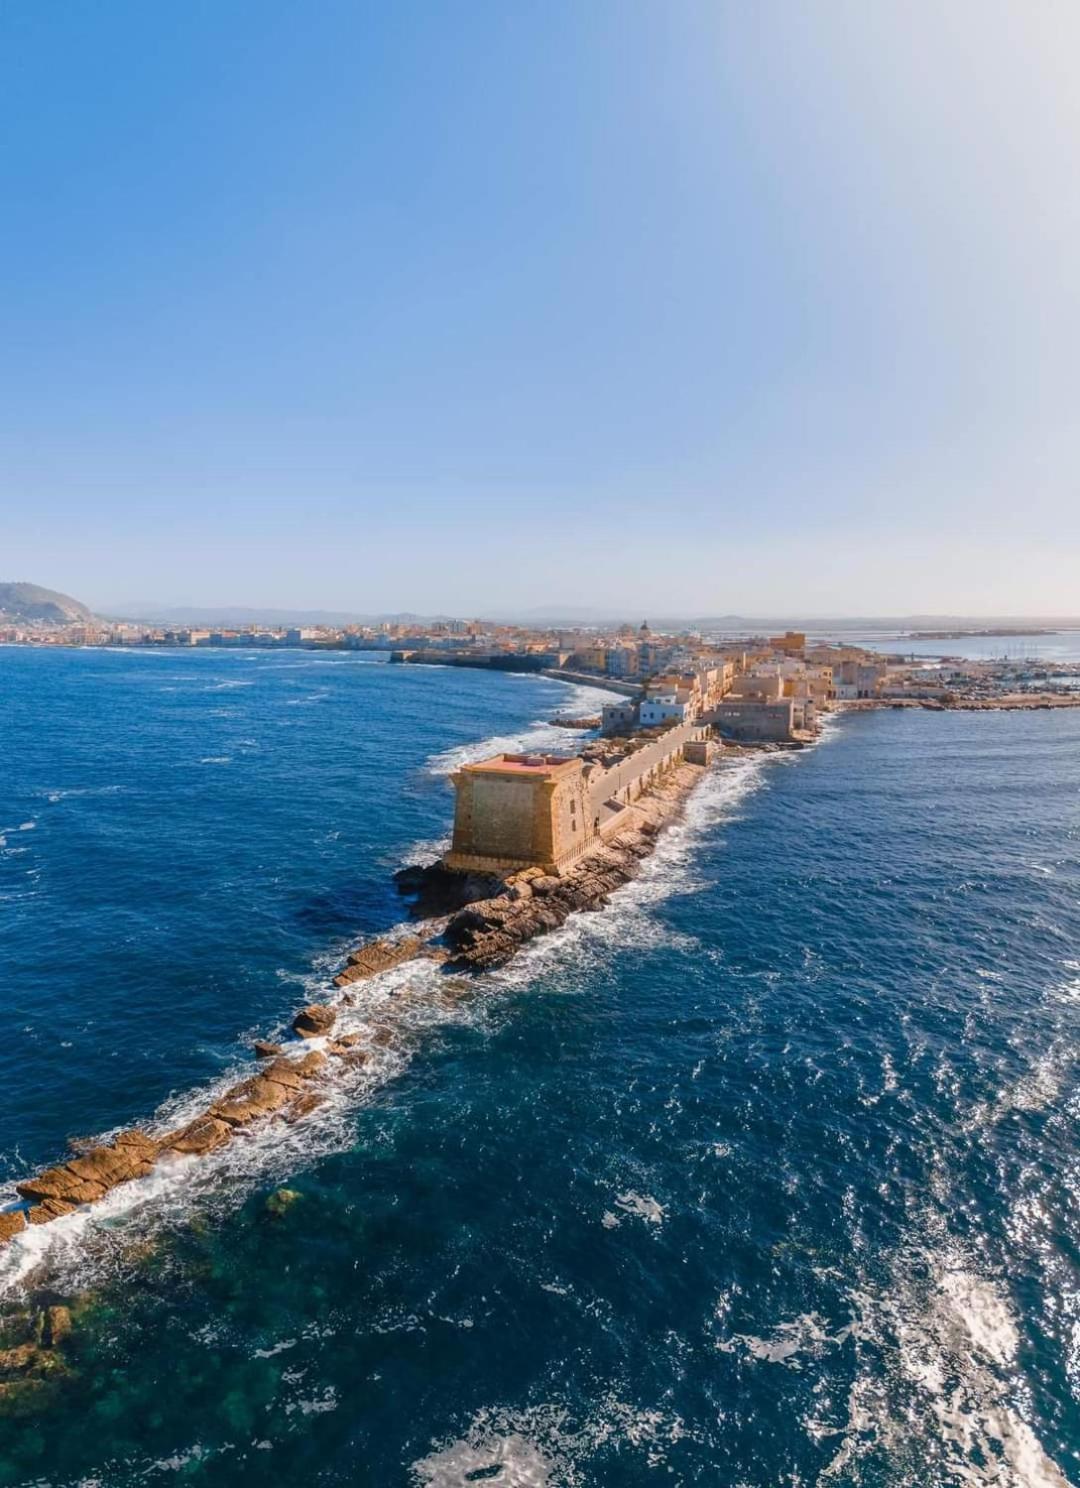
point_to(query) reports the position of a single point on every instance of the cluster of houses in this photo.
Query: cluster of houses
(774, 692)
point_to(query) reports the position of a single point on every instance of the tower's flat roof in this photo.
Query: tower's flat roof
(523, 764)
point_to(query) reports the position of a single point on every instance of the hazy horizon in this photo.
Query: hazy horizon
(692, 310)
(579, 614)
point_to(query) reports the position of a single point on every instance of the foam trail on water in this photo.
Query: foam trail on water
(541, 736)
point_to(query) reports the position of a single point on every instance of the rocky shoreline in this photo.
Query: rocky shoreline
(468, 923)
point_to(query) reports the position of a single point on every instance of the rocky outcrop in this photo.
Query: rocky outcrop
(204, 1134)
(265, 1050)
(303, 1106)
(11, 1224)
(49, 1209)
(314, 1021)
(279, 1088)
(592, 721)
(267, 1092)
(433, 890)
(249, 1100)
(379, 955)
(91, 1176)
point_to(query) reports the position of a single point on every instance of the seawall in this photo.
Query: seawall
(588, 679)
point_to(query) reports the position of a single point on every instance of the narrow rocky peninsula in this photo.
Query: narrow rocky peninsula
(562, 836)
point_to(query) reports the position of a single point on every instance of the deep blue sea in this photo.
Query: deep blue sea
(766, 1175)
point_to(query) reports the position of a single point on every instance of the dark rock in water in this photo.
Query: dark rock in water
(20, 1359)
(280, 1201)
(314, 1021)
(56, 1325)
(265, 1050)
(11, 1224)
(435, 890)
(24, 1397)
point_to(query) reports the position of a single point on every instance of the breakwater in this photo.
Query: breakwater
(476, 921)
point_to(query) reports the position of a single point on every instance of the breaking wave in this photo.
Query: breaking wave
(540, 736)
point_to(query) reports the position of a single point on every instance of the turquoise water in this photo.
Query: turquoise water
(767, 1174)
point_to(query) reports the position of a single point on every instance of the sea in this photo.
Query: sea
(1045, 647)
(766, 1174)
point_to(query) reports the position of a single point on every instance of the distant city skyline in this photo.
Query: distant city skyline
(655, 310)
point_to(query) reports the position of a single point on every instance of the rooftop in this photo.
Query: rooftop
(525, 764)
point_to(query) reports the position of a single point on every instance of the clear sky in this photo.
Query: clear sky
(673, 307)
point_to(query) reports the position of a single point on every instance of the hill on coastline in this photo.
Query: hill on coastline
(28, 602)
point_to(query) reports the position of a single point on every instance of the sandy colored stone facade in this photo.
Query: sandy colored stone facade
(519, 811)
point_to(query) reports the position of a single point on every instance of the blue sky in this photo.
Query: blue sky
(647, 304)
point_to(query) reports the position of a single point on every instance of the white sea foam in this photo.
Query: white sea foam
(790, 1343)
(549, 1445)
(936, 1358)
(540, 737)
(54, 797)
(641, 1206)
(425, 849)
(308, 700)
(6, 832)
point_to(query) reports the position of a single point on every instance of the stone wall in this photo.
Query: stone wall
(626, 780)
(513, 819)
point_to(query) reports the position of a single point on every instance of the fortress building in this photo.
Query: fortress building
(517, 811)
(520, 811)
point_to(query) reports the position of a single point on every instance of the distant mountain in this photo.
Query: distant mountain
(27, 602)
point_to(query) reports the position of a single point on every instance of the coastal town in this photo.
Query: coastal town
(749, 688)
